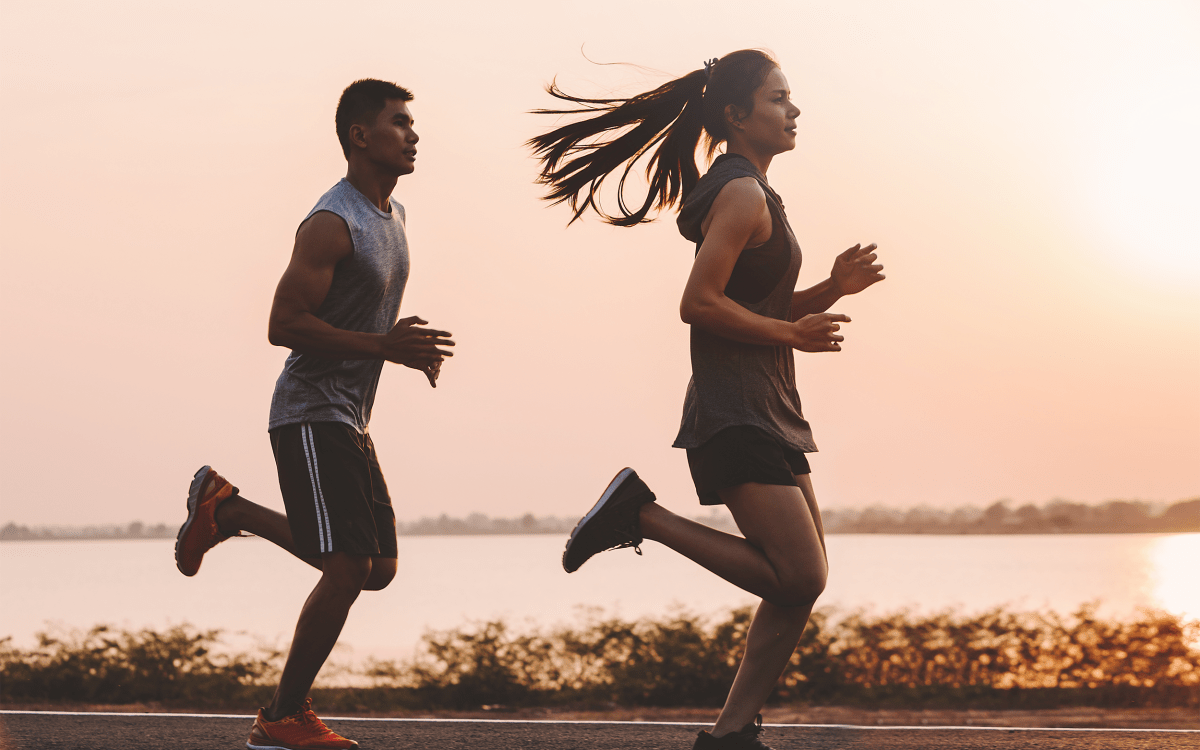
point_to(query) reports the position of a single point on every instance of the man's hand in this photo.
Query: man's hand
(412, 346)
(432, 371)
(818, 332)
(855, 269)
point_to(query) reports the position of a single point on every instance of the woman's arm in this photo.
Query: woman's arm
(853, 271)
(739, 218)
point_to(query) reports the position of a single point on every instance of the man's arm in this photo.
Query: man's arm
(321, 243)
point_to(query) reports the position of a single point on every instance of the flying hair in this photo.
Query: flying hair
(665, 124)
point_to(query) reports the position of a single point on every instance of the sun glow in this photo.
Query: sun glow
(1175, 560)
(1140, 157)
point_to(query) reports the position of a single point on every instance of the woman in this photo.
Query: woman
(742, 426)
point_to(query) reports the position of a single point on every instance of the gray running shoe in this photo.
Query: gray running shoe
(744, 739)
(612, 523)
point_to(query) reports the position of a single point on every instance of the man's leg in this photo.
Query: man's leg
(321, 620)
(237, 514)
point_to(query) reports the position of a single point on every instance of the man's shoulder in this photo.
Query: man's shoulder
(335, 200)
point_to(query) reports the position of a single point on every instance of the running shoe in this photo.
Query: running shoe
(300, 731)
(199, 533)
(745, 739)
(612, 523)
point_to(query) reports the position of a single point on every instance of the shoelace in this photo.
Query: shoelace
(630, 533)
(751, 732)
(308, 716)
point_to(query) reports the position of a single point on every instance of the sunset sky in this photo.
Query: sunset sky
(1028, 170)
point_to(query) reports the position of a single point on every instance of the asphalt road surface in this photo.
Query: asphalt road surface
(98, 731)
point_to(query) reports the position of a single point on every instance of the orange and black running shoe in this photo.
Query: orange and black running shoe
(300, 731)
(199, 533)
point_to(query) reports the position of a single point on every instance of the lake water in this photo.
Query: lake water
(248, 586)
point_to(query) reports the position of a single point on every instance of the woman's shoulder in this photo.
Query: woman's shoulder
(731, 176)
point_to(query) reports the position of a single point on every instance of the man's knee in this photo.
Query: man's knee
(346, 571)
(383, 570)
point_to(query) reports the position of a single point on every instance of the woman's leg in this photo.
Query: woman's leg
(782, 559)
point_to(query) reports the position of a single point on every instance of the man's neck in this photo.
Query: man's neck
(375, 186)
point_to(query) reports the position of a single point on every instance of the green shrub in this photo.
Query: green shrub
(108, 666)
(996, 659)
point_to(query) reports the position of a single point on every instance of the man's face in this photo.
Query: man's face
(391, 140)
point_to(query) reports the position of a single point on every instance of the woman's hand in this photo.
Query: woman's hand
(855, 269)
(818, 333)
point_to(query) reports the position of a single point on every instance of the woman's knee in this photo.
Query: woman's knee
(800, 590)
(383, 570)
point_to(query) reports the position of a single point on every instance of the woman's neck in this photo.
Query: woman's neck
(761, 161)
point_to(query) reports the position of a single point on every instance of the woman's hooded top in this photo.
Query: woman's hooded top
(733, 383)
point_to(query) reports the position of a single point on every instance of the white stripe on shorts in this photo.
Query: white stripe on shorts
(314, 475)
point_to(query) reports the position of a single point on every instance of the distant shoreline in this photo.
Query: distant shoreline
(1058, 517)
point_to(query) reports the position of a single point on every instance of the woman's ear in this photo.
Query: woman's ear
(734, 116)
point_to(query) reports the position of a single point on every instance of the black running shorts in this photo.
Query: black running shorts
(333, 490)
(738, 455)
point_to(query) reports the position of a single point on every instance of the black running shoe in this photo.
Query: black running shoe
(745, 739)
(612, 523)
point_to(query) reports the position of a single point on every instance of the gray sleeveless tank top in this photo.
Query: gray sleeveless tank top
(364, 296)
(736, 384)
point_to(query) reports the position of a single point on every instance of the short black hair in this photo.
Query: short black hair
(361, 103)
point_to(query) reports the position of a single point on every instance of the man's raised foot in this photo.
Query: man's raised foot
(200, 533)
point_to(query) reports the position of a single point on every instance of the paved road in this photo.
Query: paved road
(51, 731)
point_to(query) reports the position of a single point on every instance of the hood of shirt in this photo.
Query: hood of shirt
(725, 168)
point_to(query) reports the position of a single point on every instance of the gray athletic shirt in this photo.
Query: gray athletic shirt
(364, 296)
(733, 383)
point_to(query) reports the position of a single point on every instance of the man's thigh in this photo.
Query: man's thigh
(326, 476)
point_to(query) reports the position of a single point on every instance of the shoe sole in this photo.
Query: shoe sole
(193, 502)
(616, 482)
(250, 745)
(270, 747)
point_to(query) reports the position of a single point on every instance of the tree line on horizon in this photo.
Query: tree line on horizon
(1055, 517)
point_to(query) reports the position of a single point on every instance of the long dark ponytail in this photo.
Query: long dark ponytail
(577, 157)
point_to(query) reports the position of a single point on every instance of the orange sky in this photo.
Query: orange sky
(1027, 168)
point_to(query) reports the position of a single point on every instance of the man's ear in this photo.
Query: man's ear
(358, 135)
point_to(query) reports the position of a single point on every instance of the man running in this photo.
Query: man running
(335, 308)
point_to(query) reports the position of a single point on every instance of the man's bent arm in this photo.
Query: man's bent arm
(321, 243)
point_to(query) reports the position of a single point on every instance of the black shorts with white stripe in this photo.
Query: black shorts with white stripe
(333, 490)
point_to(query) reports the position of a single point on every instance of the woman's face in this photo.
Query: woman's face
(771, 127)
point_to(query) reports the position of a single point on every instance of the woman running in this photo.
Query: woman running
(743, 429)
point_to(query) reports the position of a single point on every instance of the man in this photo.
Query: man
(335, 308)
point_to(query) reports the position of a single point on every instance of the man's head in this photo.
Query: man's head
(362, 103)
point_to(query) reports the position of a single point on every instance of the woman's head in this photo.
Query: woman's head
(668, 120)
(733, 82)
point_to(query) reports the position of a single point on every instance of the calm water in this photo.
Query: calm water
(249, 586)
